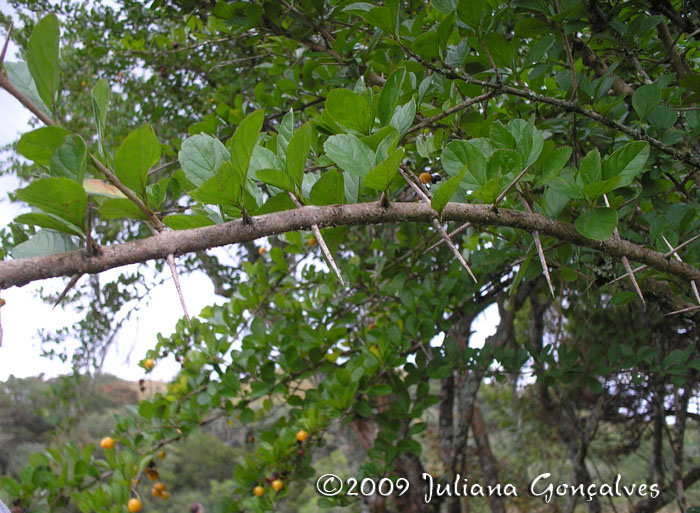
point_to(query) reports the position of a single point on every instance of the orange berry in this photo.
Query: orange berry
(165, 496)
(133, 505)
(425, 178)
(152, 475)
(262, 251)
(107, 443)
(258, 491)
(371, 326)
(277, 485)
(161, 455)
(148, 364)
(159, 487)
(312, 242)
(302, 436)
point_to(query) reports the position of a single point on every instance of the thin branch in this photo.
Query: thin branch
(666, 255)
(460, 106)
(322, 242)
(510, 186)
(538, 242)
(449, 235)
(626, 262)
(683, 156)
(693, 285)
(7, 43)
(436, 223)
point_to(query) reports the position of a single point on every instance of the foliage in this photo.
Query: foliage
(564, 132)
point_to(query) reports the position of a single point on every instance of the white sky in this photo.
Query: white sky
(24, 313)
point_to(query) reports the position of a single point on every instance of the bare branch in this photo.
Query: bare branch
(626, 262)
(460, 106)
(20, 272)
(538, 243)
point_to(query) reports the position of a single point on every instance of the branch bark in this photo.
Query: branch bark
(15, 273)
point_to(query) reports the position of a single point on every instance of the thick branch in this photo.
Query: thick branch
(23, 271)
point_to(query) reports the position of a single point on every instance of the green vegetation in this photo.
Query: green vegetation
(561, 142)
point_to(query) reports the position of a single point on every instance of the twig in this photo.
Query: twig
(626, 262)
(693, 285)
(321, 242)
(450, 235)
(666, 255)
(436, 223)
(684, 310)
(536, 236)
(460, 106)
(4, 47)
(74, 279)
(510, 186)
(683, 156)
(176, 279)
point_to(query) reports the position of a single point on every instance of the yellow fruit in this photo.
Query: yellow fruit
(107, 443)
(165, 496)
(161, 455)
(277, 485)
(152, 475)
(425, 178)
(371, 326)
(133, 505)
(149, 363)
(262, 251)
(155, 492)
(312, 242)
(302, 436)
(258, 491)
(159, 487)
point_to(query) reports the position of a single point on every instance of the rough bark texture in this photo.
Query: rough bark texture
(667, 494)
(21, 272)
(489, 467)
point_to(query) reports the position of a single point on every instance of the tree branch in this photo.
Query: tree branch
(23, 271)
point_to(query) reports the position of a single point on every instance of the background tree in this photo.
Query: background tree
(439, 158)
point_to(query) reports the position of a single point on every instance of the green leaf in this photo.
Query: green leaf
(403, 117)
(662, 118)
(501, 137)
(469, 12)
(277, 203)
(62, 197)
(21, 78)
(381, 176)
(597, 224)
(100, 101)
(42, 57)
(44, 242)
(276, 178)
(298, 152)
(627, 162)
(426, 45)
(39, 145)
(389, 97)
(224, 188)
(539, 48)
(443, 195)
(137, 154)
(329, 189)
(121, 209)
(186, 222)
(590, 169)
(380, 17)
(645, 99)
(528, 139)
(242, 144)
(349, 109)
(70, 160)
(50, 221)
(595, 190)
(458, 154)
(553, 164)
(200, 157)
(350, 154)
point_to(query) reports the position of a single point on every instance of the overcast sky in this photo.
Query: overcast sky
(24, 313)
